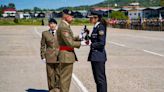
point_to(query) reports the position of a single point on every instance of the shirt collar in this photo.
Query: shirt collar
(66, 22)
(96, 24)
(52, 31)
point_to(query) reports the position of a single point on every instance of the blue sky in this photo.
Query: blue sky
(49, 4)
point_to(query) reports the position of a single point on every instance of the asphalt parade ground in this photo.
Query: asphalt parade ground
(135, 61)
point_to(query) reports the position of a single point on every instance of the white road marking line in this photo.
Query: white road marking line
(150, 52)
(154, 53)
(118, 44)
(153, 38)
(78, 82)
(77, 86)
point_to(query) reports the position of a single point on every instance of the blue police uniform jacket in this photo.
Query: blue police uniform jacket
(97, 49)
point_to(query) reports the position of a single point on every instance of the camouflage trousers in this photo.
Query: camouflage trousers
(65, 76)
(59, 76)
(53, 76)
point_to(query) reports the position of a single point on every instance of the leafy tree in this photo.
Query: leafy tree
(162, 2)
(118, 15)
(37, 9)
(27, 10)
(1, 7)
(11, 5)
(0, 12)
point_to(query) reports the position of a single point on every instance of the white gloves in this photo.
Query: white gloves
(85, 43)
(43, 60)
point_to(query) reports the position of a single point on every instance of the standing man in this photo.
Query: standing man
(49, 52)
(67, 43)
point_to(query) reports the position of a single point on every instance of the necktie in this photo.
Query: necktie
(53, 33)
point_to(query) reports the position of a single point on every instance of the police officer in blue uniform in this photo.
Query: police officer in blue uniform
(97, 55)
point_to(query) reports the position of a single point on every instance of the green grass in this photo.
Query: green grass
(7, 22)
(11, 21)
(82, 21)
(29, 22)
(37, 21)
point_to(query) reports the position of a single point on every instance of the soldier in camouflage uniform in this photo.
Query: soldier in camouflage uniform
(67, 55)
(49, 52)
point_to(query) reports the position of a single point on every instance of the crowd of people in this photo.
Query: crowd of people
(153, 24)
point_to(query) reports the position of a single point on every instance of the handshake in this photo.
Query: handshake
(84, 37)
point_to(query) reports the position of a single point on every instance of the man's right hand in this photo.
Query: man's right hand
(85, 43)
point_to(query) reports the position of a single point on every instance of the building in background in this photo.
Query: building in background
(161, 12)
(151, 12)
(9, 12)
(135, 13)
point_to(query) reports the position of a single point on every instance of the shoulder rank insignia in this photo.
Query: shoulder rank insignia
(101, 32)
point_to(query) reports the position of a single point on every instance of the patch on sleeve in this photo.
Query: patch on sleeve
(101, 32)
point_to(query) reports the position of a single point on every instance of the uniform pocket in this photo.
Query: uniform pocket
(50, 53)
(51, 56)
